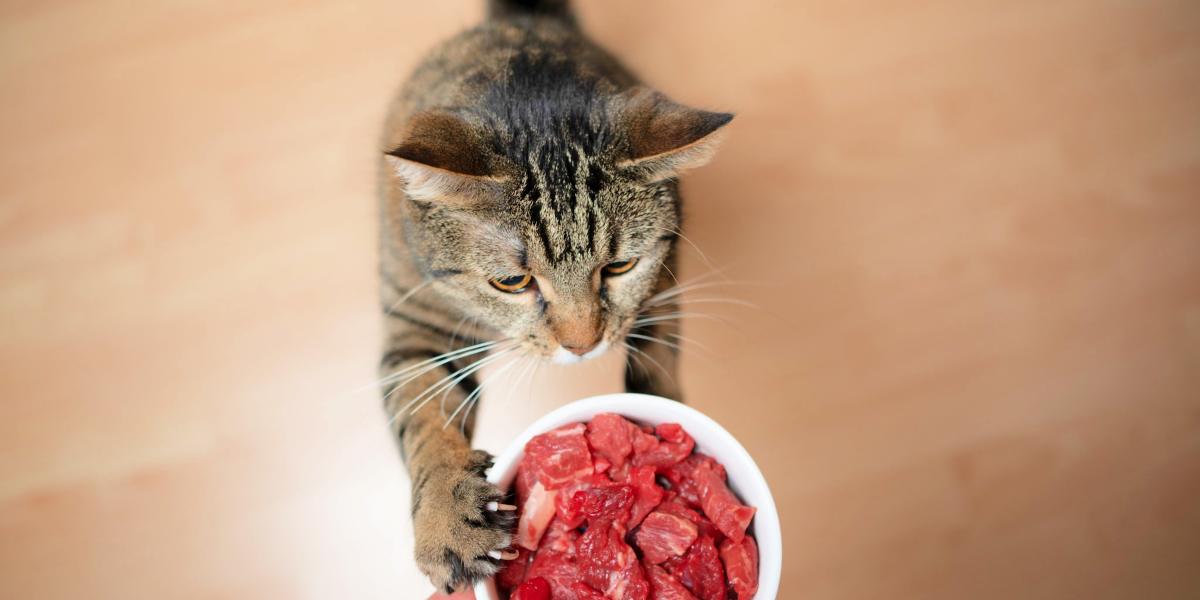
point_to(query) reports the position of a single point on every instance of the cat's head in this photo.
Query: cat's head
(550, 225)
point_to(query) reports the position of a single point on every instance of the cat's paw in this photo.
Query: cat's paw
(462, 526)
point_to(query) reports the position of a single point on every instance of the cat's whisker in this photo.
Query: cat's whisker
(676, 291)
(650, 338)
(409, 294)
(694, 284)
(527, 366)
(446, 391)
(474, 395)
(436, 386)
(635, 349)
(431, 364)
(676, 316)
(733, 301)
(675, 231)
(454, 334)
(449, 381)
(688, 340)
(417, 366)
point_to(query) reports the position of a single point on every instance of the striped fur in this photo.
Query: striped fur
(518, 147)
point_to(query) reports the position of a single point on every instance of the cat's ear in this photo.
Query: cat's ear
(443, 158)
(666, 137)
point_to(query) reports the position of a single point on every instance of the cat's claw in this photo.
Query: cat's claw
(497, 506)
(503, 554)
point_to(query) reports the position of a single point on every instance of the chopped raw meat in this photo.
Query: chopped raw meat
(649, 450)
(701, 481)
(583, 488)
(512, 573)
(720, 505)
(535, 515)
(611, 437)
(607, 563)
(673, 432)
(675, 505)
(560, 537)
(571, 497)
(683, 476)
(665, 587)
(647, 494)
(584, 592)
(558, 569)
(559, 456)
(741, 566)
(700, 570)
(662, 536)
(608, 504)
(534, 589)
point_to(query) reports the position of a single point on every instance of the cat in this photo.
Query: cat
(529, 207)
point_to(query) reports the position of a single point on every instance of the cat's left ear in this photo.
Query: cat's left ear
(443, 158)
(665, 137)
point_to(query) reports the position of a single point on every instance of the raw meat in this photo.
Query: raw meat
(534, 589)
(700, 570)
(663, 535)
(588, 491)
(665, 587)
(741, 566)
(559, 457)
(701, 481)
(535, 516)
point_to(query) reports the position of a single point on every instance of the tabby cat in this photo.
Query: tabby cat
(529, 208)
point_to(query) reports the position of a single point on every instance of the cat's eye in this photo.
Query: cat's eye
(514, 284)
(620, 266)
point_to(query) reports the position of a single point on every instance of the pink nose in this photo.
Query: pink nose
(581, 350)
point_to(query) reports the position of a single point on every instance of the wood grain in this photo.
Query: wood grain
(971, 230)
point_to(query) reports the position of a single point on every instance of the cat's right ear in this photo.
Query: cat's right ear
(665, 138)
(442, 158)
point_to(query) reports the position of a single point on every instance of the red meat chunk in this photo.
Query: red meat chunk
(605, 474)
(608, 564)
(608, 504)
(663, 535)
(569, 504)
(536, 513)
(647, 494)
(560, 538)
(611, 437)
(741, 566)
(683, 476)
(534, 589)
(665, 587)
(649, 450)
(512, 573)
(700, 570)
(584, 592)
(701, 481)
(558, 569)
(558, 457)
(675, 505)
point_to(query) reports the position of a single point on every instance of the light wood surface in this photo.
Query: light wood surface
(971, 231)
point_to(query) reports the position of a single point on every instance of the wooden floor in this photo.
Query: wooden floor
(971, 231)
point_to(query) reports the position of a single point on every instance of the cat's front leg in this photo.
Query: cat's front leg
(460, 523)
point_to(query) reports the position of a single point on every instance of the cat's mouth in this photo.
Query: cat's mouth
(562, 356)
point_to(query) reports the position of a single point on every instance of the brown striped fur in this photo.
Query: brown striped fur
(519, 147)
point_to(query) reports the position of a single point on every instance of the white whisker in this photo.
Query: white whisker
(474, 395)
(650, 338)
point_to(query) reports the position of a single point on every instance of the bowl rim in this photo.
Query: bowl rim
(637, 407)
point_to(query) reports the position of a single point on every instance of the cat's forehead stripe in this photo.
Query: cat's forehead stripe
(561, 186)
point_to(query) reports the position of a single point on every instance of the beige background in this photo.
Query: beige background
(971, 230)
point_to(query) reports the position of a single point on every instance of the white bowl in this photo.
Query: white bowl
(745, 478)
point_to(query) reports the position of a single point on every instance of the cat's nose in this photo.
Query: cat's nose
(581, 349)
